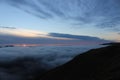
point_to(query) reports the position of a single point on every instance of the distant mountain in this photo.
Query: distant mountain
(96, 64)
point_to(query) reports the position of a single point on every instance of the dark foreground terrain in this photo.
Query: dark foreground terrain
(96, 64)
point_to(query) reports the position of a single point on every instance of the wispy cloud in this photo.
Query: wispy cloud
(21, 32)
(101, 13)
(30, 7)
(4, 27)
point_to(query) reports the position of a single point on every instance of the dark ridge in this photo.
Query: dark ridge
(96, 64)
(112, 44)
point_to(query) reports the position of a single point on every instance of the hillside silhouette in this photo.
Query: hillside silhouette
(96, 64)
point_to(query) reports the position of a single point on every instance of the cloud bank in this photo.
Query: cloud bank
(52, 56)
(78, 37)
(11, 35)
(26, 63)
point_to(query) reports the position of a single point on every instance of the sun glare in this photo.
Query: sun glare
(24, 45)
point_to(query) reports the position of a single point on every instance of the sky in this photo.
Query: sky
(63, 20)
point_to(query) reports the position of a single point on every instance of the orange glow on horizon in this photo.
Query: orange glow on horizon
(30, 34)
(55, 44)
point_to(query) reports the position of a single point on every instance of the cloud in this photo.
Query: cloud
(30, 7)
(9, 35)
(49, 5)
(4, 27)
(101, 13)
(12, 32)
(77, 37)
(12, 35)
(11, 39)
(26, 62)
(52, 56)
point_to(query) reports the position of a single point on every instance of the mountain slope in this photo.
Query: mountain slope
(96, 64)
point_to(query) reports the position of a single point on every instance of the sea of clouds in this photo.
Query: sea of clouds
(51, 55)
(25, 63)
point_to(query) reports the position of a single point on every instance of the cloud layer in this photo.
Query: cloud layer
(26, 63)
(49, 39)
(77, 37)
(52, 56)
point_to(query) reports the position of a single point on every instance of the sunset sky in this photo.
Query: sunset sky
(65, 20)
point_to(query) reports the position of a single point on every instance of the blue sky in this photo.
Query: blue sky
(97, 18)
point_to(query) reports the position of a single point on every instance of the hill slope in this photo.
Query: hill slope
(96, 64)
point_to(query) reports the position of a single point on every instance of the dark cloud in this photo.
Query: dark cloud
(7, 27)
(72, 39)
(101, 13)
(82, 38)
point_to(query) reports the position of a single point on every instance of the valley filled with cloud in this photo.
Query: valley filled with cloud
(20, 63)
